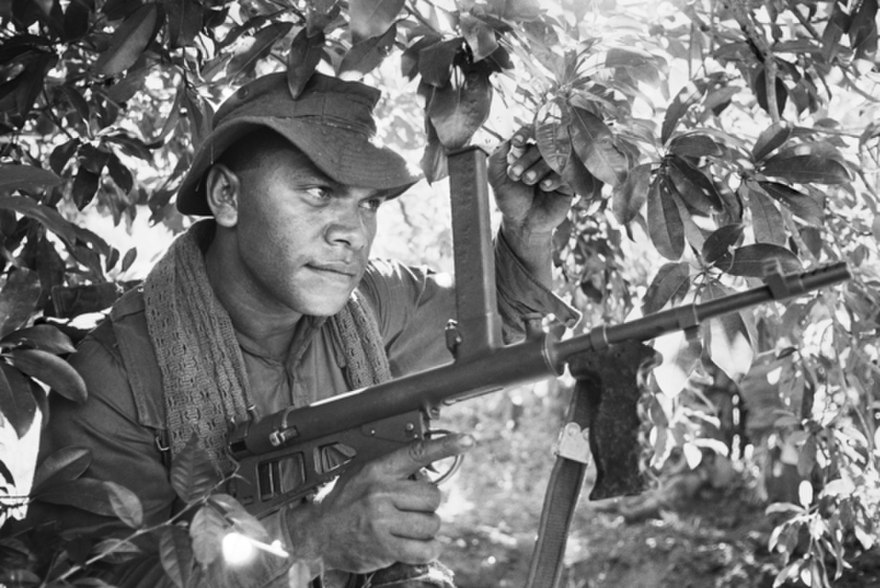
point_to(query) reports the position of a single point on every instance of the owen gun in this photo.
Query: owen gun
(289, 454)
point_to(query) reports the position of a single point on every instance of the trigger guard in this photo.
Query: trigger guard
(456, 460)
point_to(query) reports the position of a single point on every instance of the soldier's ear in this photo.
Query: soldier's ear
(223, 191)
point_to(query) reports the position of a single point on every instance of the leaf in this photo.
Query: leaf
(753, 260)
(303, 58)
(807, 168)
(128, 259)
(199, 113)
(126, 505)
(51, 369)
(76, 20)
(121, 175)
(17, 404)
(369, 53)
(630, 195)
(433, 162)
(479, 36)
(770, 139)
(184, 21)
(18, 299)
(727, 338)
(60, 156)
(193, 473)
(435, 61)
(760, 86)
(460, 108)
(64, 465)
(687, 96)
(664, 220)
(46, 337)
(594, 144)
(371, 18)
(802, 205)
(245, 523)
(207, 530)
(671, 283)
(581, 181)
(719, 244)
(176, 554)
(14, 176)
(47, 216)
(260, 45)
(85, 186)
(551, 135)
(695, 145)
(85, 493)
(128, 41)
(767, 222)
(695, 189)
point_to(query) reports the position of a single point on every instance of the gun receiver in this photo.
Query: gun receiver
(287, 455)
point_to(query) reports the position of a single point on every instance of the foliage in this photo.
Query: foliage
(714, 136)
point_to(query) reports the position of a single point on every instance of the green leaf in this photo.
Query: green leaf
(184, 21)
(47, 216)
(18, 299)
(76, 20)
(207, 529)
(85, 493)
(193, 473)
(51, 369)
(460, 108)
(551, 135)
(128, 259)
(581, 180)
(593, 142)
(720, 243)
(260, 45)
(304, 56)
(686, 97)
(121, 175)
(14, 176)
(770, 139)
(372, 18)
(665, 226)
(727, 338)
(244, 522)
(176, 554)
(809, 167)
(671, 283)
(60, 156)
(767, 222)
(363, 57)
(85, 186)
(695, 145)
(630, 195)
(695, 189)
(480, 36)
(804, 206)
(128, 41)
(433, 163)
(760, 86)
(46, 337)
(752, 260)
(64, 465)
(17, 404)
(126, 505)
(435, 61)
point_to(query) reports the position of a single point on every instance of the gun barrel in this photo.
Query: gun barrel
(689, 316)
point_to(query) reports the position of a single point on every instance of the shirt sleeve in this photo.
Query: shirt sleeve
(414, 304)
(125, 452)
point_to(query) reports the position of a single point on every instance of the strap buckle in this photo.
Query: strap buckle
(573, 443)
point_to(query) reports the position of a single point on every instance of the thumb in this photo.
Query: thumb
(406, 461)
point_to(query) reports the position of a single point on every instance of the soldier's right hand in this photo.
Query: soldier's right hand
(378, 514)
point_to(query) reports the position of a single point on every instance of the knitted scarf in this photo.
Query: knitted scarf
(203, 373)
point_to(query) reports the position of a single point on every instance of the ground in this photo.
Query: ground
(702, 534)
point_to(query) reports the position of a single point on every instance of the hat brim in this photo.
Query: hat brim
(345, 156)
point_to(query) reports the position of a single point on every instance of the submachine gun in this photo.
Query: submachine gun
(287, 455)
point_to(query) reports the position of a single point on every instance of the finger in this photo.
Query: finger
(529, 157)
(406, 461)
(518, 144)
(537, 172)
(416, 552)
(416, 527)
(410, 495)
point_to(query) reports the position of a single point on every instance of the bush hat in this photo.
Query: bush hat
(331, 121)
